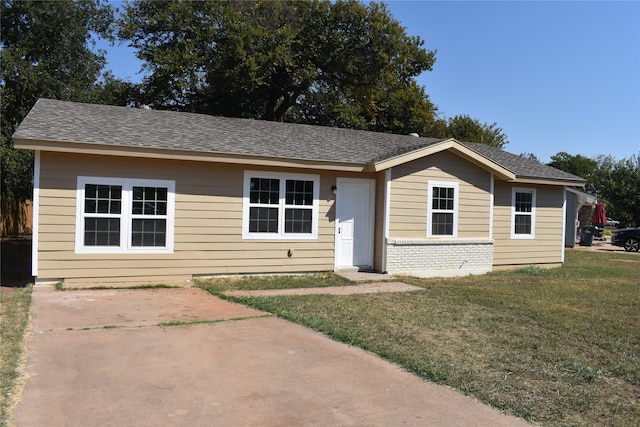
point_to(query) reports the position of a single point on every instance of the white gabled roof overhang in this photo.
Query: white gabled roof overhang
(582, 197)
(453, 146)
(546, 181)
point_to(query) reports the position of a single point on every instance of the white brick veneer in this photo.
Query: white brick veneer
(442, 257)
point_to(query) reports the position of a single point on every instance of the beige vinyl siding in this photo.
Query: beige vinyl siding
(409, 196)
(547, 246)
(208, 223)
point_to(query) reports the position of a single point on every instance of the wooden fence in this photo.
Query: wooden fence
(17, 218)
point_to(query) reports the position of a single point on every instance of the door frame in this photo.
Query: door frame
(371, 183)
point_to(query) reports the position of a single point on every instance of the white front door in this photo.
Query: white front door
(354, 223)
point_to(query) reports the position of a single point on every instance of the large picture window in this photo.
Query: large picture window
(116, 215)
(442, 212)
(280, 206)
(523, 209)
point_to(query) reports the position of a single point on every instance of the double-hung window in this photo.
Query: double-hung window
(442, 211)
(280, 206)
(523, 213)
(115, 215)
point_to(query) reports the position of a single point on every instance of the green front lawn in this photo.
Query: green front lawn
(557, 347)
(14, 319)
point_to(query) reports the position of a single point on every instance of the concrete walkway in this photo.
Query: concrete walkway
(101, 358)
(604, 246)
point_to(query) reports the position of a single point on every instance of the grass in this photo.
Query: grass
(248, 283)
(556, 347)
(14, 318)
(173, 323)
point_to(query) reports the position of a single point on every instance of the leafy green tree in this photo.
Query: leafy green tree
(396, 111)
(46, 52)
(111, 90)
(579, 165)
(342, 63)
(464, 128)
(530, 156)
(617, 184)
(320, 62)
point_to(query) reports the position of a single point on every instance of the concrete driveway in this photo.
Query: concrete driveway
(100, 358)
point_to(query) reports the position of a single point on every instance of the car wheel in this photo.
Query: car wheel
(632, 245)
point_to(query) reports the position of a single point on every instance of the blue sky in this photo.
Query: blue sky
(555, 76)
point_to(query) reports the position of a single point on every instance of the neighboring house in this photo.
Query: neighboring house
(577, 202)
(133, 194)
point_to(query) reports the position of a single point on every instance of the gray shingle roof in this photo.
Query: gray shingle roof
(132, 127)
(521, 166)
(106, 125)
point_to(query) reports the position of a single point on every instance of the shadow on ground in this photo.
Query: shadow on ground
(15, 257)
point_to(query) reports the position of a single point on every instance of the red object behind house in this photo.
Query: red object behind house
(599, 215)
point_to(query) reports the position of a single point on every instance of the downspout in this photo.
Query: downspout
(564, 222)
(385, 226)
(491, 205)
(35, 211)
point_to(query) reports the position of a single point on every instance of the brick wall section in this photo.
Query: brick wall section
(438, 258)
(585, 215)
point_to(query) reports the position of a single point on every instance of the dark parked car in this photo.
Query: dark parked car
(628, 238)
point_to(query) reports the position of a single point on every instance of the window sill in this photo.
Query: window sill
(106, 251)
(278, 237)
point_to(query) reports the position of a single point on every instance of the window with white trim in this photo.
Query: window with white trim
(280, 206)
(442, 211)
(116, 215)
(523, 213)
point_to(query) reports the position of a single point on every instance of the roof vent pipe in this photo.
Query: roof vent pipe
(414, 134)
